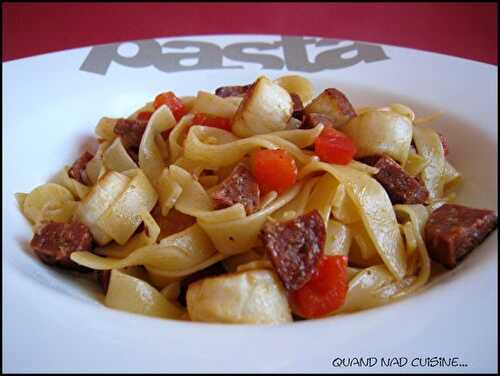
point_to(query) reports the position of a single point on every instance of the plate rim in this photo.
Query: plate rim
(420, 50)
(303, 324)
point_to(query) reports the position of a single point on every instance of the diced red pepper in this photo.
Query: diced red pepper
(444, 142)
(144, 115)
(171, 101)
(212, 121)
(274, 170)
(333, 146)
(326, 290)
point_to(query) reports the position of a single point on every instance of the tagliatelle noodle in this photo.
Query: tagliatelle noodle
(231, 263)
(375, 210)
(415, 163)
(150, 157)
(188, 231)
(48, 202)
(100, 198)
(451, 177)
(365, 253)
(105, 128)
(213, 105)
(131, 294)
(122, 218)
(174, 254)
(418, 215)
(428, 119)
(297, 206)
(146, 237)
(429, 146)
(169, 192)
(343, 208)
(338, 238)
(116, 158)
(322, 196)
(78, 189)
(195, 201)
(95, 167)
(176, 137)
(228, 153)
(240, 235)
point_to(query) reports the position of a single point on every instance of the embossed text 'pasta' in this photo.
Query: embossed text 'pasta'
(301, 54)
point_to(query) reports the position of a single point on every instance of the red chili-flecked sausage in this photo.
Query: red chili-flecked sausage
(239, 187)
(232, 91)
(295, 247)
(130, 131)
(452, 231)
(77, 171)
(173, 222)
(54, 242)
(401, 187)
(312, 119)
(298, 107)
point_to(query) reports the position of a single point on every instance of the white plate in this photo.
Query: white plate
(53, 322)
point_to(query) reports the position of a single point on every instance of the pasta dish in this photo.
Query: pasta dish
(258, 204)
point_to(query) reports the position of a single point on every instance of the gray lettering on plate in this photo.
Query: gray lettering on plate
(295, 53)
(292, 50)
(100, 57)
(208, 56)
(335, 59)
(237, 52)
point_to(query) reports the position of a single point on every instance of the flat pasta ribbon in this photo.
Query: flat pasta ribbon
(150, 156)
(375, 210)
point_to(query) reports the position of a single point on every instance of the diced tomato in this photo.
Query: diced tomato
(333, 146)
(144, 115)
(171, 101)
(326, 290)
(274, 170)
(212, 121)
(444, 142)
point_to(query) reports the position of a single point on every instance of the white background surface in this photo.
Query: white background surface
(54, 322)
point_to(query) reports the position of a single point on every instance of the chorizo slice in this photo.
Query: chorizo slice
(239, 187)
(77, 170)
(130, 131)
(452, 231)
(401, 187)
(295, 247)
(311, 120)
(173, 222)
(53, 242)
(232, 91)
(298, 107)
